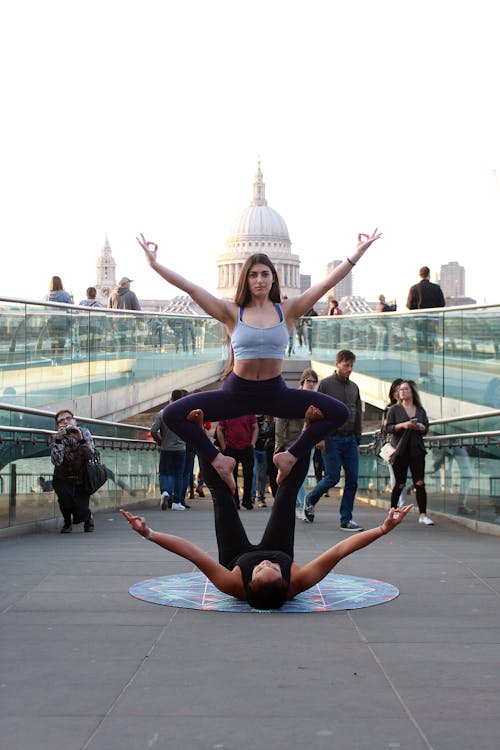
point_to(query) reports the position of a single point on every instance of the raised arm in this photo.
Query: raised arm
(223, 579)
(318, 568)
(221, 310)
(294, 307)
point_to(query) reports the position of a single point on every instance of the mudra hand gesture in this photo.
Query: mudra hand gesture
(365, 240)
(150, 248)
(137, 523)
(394, 517)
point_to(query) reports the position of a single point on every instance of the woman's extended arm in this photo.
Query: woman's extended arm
(221, 310)
(223, 579)
(317, 569)
(296, 306)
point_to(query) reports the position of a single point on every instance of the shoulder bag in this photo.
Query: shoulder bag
(96, 474)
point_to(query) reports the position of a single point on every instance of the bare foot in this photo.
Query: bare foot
(285, 463)
(196, 416)
(313, 414)
(224, 466)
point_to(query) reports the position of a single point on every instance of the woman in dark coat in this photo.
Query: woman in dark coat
(408, 423)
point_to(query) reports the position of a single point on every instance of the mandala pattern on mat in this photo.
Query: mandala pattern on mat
(194, 591)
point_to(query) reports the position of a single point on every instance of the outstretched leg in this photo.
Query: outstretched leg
(238, 397)
(280, 529)
(231, 536)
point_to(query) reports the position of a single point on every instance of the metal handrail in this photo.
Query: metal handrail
(450, 420)
(485, 438)
(47, 303)
(47, 434)
(42, 413)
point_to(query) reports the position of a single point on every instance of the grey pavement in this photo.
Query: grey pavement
(85, 665)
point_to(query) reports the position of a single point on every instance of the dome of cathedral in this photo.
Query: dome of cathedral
(258, 221)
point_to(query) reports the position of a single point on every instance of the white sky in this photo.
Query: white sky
(149, 115)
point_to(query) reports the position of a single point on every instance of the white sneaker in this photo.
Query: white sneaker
(426, 521)
(180, 506)
(299, 514)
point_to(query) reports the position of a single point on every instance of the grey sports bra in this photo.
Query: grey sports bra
(251, 342)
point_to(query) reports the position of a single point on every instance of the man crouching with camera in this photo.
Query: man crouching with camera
(70, 449)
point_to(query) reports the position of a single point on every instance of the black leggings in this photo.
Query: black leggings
(416, 464)
(239, 397)
(278, 535)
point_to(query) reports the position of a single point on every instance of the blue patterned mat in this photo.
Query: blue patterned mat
(194, 591)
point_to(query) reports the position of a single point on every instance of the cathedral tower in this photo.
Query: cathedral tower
(106, 280)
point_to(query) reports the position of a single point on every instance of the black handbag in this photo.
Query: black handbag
(96, 474)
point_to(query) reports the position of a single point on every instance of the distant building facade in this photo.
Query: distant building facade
(344, 287)
(258, 229)
(451, 279)
(305, 282)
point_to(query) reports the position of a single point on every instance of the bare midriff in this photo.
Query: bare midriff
(257, 369)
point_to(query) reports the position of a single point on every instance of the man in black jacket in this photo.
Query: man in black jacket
(423, 296)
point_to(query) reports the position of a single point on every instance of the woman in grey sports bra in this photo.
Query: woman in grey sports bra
(257, 322)
(264, 574)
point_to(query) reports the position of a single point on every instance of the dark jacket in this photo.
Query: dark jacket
(413, 440)
(123, 298)
(346, 391)
(164, 437)
(425, 294)
(70, 456)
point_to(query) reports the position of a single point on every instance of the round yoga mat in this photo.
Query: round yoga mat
(194, 591)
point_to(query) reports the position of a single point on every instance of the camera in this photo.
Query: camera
(69, 428)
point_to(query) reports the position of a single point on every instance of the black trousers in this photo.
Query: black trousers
(243, 456)
(279, 533)
(73, 501)
(416, 464)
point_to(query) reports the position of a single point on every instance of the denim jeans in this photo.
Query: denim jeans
(171, 474)
(340, 451)
(259, 480)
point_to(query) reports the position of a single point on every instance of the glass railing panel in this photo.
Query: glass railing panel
(462, 469)
(451, 352)
(26, 493)
(52, 353)
(20, 417)
(13, 351)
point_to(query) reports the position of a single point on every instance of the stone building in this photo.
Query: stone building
(105, 273)
(258, 229)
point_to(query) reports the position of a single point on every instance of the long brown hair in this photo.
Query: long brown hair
(56, 284)
(242, 296)
(414, 392)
